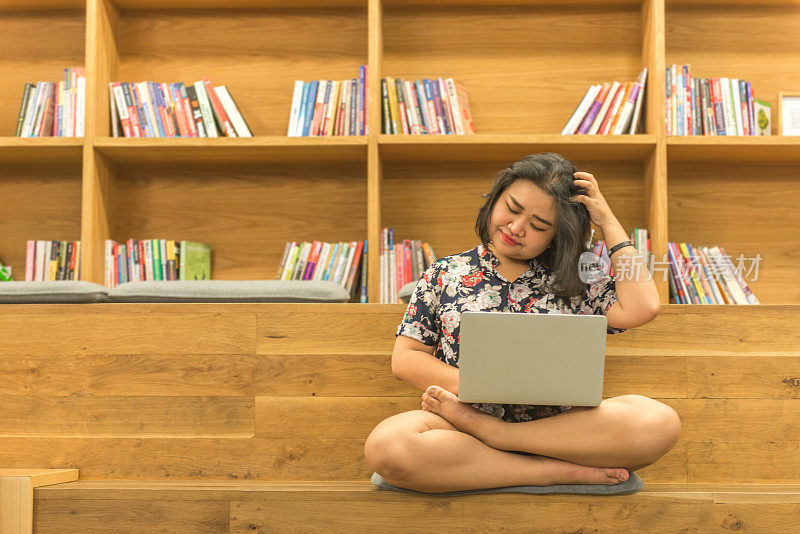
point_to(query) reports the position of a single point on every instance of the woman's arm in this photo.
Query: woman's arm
(637, 296)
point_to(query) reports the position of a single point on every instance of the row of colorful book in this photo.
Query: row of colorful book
(609, 108)
(712, 106)
(47, 261)
(401, 263)
(151, 109)
(344, 263)
(705, 275)
(153, 260)
(639, 238)
(54, 109)
(323, 108)
(427, 107)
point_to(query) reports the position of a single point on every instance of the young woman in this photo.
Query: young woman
(533, 228)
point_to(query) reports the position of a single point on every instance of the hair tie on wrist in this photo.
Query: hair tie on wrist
(619, 246)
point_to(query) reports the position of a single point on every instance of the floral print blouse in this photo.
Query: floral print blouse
(469, 281)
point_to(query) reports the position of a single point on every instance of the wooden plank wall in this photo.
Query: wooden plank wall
(282, 392)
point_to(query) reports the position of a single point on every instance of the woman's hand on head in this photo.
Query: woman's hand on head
(599, 210)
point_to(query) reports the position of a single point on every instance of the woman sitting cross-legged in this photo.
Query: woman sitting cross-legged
(533, 228)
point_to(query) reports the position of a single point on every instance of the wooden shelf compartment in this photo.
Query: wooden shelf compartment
(37, 201)
(722, 148)
(495, 147)
(38, 43)
(258, 53)
(525, 67)
(348, 149)
(438, 203)
(747, 208)
(246, 211)
(708, 36)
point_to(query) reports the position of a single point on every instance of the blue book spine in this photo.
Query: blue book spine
(156, 108)
(421, 103)
(750, 108)
(437, 90)
(326, 275)
(310, 101)
(174, 92)
(361, 101)
(365, 278)
(147, 131)
(434, 121)
(301, 114)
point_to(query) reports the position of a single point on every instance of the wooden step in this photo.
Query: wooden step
(151, 392)
(16, 495)
(357, 506)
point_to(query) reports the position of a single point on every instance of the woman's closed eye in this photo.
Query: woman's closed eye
(517, 213)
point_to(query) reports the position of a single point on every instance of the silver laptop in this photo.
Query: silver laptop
(532, 358)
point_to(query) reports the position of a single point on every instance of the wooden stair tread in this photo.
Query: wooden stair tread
(307, 490)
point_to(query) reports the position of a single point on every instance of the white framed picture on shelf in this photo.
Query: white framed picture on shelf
(788, 112)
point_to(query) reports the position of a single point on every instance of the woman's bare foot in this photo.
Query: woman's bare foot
(464, 417)
(582, 474)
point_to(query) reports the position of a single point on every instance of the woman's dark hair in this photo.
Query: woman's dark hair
(554, 175)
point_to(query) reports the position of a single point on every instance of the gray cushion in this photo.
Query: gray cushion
(230, 291)
(406, 291)
(61, 292)
(632, 485)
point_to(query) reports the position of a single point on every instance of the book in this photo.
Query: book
(195, 261)
(762, 117)
(233, 112)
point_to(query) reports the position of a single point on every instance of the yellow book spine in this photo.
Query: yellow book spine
(695, 280)
(391, 85)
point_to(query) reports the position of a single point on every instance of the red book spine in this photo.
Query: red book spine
(72, 258)
(187, 112)
(354, 266)
(407, 267)
(223, 117)
(312, 260)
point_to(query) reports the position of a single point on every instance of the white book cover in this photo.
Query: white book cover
(205, 109)
(289, 257)
(627, 110)
(345, 256)
(144, 100)
(639, 99)
(232, 111)
(81, 112)
(737, 106)
(304, 252)
(601, 114)
(733, 286)
(29, 111)
(322, 261)
(294, 112)
(346, 97)
(40, 109)
(351, 253)
(721, 288)
(575, 121)
(318, 104)
(333, 105)
(613, 110)
(451, 91)
(725, 89)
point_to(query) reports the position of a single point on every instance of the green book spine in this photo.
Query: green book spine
(5, 273)
(156, 259)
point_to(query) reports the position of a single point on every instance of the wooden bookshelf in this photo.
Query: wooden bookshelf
(525, 65)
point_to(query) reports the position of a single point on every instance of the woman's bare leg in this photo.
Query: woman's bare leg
(629, 431)
(418, 450)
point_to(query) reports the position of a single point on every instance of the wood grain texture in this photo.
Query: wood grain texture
(37, 46)
(695, 33)
(273, 47)
(257, 209)
(513, 58)
(752, 214)
(37, 202)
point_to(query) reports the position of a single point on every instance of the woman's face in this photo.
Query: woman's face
(526, 215)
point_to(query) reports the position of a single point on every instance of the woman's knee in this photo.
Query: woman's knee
(658, 422)
(388, 447)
